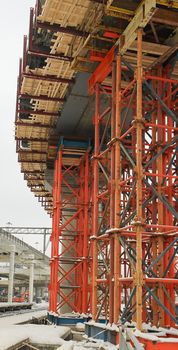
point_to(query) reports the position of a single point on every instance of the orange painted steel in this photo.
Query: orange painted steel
(134, 235)
(123, 232)
(69, 285)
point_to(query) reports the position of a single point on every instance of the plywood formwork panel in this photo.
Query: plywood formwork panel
(31, 132)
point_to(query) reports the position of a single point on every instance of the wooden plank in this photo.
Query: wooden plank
(164, 56)
(164, 16)
(150, 48)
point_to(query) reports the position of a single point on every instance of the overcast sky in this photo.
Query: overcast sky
(17, 203)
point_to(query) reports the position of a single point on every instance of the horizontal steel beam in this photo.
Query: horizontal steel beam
(58, 28)
(38, 112)
(32, 172)
(56, 56)
(38, 186)
(100, 1)
(42, 98)
(50, 78)
(22, 151)
(28, 230)
(31, 139)
(36, 125)
(28, 177)
(31, 161)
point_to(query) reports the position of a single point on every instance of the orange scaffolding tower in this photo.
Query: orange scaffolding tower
(135, 179)
(114, 207)
(69, 286)
(125, 200)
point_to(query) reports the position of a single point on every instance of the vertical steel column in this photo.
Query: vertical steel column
(69, 255)
(154, 240)
(79, 239)
(118, 170)
(112, 195)
(85, 291)
(170, 195)
(139, 185)
(95, 207)
(53, 287)
(143, 186)
(160, 170)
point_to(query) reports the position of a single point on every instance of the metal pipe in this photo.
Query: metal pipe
(139, 183)
(95, 207)
(117, 194)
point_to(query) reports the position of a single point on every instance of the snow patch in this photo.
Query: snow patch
(37, 334)
(67, 346)
(80, 327)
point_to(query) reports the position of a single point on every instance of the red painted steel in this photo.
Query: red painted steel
(144, 207)
(132, 188)
(69, 285)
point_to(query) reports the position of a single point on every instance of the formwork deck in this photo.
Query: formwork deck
(65, 38)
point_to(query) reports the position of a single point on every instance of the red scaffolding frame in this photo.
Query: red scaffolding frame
(69, 285)
(133, 240)
(134, 193)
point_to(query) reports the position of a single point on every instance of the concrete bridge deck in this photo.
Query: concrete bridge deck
(21, 265)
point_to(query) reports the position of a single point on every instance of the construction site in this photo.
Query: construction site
(96, 132)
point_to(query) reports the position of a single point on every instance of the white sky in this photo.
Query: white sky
(17, 203)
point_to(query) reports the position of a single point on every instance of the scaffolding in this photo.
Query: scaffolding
(133, 196)
(69, 290)
(134, 193)
(114, 200)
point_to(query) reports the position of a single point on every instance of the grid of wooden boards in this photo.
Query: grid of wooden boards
(40, 127)
(96, 19)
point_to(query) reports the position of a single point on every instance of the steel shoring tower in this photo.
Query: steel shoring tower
(134, 232)
(69, 290)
